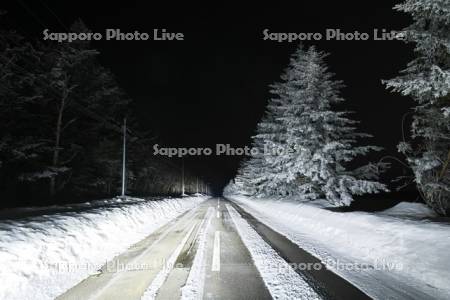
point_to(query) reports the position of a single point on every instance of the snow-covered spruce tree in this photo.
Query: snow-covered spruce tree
(427, 81)
(283, 181)
(320, 143)
(269, 133)
(230, 189)
(247, 176)
(262, 173)
(256, 176)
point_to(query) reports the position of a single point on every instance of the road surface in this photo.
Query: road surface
(200, 255)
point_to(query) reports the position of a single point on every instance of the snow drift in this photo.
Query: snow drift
(400, 253)
(43, 255)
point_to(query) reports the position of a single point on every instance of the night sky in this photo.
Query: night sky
(213, 86)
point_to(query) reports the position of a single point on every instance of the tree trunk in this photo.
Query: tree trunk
(56, 148)
(445, 167)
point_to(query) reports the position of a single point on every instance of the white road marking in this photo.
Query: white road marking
(158, 281)
(216, 253)
(142, 254)
(207, 217)
(193, 289)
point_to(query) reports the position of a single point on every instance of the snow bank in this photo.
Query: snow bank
(385, 254)
(41, 256)
(282, 281)
(414, 210)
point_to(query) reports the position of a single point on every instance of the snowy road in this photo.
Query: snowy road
(215, 251)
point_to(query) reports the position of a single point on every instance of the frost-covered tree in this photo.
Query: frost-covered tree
(269, 133)
(321, 143)
(257, 176)
(247, 176)
(284, 180)
(262, 174)
(427, 81)
(310, 147)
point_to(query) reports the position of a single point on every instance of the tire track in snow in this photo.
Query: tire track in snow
(193, 288)
(152, 290)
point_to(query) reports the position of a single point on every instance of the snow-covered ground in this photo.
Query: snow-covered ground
(396, 254)
(50, 250)
(282, 281)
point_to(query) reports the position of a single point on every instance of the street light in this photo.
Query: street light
(182, 177)
(124, 150)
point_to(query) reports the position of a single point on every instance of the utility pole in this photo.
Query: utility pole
(182, 176)
(124, 157)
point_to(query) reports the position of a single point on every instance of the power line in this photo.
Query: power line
(31, 13)
(55, 15)
(91, 113)
(94, 115)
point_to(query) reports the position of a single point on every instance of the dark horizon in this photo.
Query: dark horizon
(212, 87)
(332, 119)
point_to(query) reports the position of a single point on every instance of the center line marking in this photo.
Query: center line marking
(216, 253)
